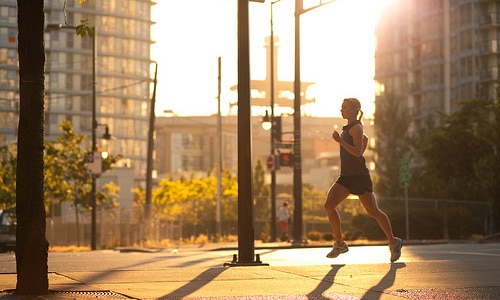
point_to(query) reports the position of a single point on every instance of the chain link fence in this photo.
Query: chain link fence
(126, 227)
(116, 227)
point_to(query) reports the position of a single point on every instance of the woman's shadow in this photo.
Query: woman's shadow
(376, 291)
(325, 284)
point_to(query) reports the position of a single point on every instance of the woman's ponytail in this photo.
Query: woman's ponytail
(360, 114)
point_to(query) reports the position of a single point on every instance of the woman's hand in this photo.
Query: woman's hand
(336, 136)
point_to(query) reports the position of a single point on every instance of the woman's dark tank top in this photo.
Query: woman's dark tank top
(349, 164)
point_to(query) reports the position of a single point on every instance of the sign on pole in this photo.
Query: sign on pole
(404, 181)
(94, 163)
(270, 163)
(404, 173)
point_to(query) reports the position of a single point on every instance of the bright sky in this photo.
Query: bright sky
(337, 51)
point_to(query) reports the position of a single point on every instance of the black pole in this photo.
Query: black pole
(245, 207)
(273, 170)
(93, 227)
(245, 203)
(297, 161)
(149, 163)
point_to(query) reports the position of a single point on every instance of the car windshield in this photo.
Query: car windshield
(8, 218)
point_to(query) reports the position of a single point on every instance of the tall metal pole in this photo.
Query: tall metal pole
(245, 207)
(273, 138)
(218, 223)
(297, 161)
(149, 163)
(246, 251)
(94, 145)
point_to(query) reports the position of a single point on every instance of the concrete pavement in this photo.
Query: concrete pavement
(442, 273)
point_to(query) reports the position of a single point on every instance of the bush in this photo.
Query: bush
(328, 236)
(314, 235)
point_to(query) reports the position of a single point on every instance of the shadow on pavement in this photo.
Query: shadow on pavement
(194, 284)
(325, 283)
(386, 282)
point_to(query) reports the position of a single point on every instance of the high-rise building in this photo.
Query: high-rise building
(122, 73)
(9, 78)
(432, 54)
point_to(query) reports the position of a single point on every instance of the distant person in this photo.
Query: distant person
(355, 179)
(284, 219)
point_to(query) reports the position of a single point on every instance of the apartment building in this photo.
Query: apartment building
(431, 54)
(122, 74)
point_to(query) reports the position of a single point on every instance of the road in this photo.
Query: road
(210, 256)
(425, 271)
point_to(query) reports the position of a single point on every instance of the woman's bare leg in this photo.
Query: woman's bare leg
(335, 196)
(370, 203)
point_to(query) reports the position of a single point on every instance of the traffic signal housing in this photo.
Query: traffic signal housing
(276, 128)
(286, 159)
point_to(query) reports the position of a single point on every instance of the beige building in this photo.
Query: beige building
(186, 145)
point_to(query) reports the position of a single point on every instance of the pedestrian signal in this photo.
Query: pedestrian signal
(286, 159)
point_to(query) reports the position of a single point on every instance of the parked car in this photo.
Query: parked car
(8, 224)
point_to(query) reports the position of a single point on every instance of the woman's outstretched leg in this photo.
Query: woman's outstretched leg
(335, 196)
(370, 203)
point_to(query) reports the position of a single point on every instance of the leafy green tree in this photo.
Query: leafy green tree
(67, 177)
(458, 152)
(393, 144)
(8, 161)
(261, 193)
(192, 199)
(494, 167)
(459, 147)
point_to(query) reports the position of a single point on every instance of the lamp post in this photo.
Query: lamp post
(94, 125)
(273, 170)
(297, 161)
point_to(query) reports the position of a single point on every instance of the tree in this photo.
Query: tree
(8, 160)
(393, 144)
(193, 199)
(261, 193)
(459, 147)
(458, 152)
(67, 177)
(32, 245)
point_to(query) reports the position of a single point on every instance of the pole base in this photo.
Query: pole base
(236, 263)
(297, 244)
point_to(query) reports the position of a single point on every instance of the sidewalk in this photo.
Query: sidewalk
(408, 279)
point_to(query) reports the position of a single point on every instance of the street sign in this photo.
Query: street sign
(270, 162)
(404, 173)
(94, 163)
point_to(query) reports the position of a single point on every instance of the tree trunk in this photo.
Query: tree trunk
(32, 246)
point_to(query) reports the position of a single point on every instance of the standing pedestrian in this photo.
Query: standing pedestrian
(284, 218)
(355, 179)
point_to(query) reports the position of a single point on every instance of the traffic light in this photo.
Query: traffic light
(276, 128)
(286, 159)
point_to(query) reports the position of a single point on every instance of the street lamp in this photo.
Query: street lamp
(273, 170)
(51, 27)
(297, 162)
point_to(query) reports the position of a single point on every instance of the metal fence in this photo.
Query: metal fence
(117, 227)
(125, 227)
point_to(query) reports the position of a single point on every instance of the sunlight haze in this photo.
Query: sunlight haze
(337, 52)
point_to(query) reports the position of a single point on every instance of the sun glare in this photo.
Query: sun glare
(337, 51)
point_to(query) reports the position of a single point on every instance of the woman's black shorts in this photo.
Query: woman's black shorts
(356, 184)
